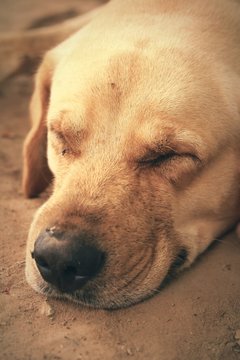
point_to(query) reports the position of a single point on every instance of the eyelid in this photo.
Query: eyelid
(62, 144)
(152, 155)
(61, 140)
(158, 160)
(155, 158)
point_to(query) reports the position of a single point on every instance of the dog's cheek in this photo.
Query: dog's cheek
(32, 275)
(52, 158)
(38, 224)
(58, 164)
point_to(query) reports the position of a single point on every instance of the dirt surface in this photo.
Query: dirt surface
(196, 317)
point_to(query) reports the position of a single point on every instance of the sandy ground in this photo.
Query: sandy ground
(197, 317)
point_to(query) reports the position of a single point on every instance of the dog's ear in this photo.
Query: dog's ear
(36, 173)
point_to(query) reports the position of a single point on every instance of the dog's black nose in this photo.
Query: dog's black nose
(66, 261)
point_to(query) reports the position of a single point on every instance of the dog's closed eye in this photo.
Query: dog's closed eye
(154, 158)
(64, 151)
(59, 143)
(157, 158)
(65, 141)
(174, 166)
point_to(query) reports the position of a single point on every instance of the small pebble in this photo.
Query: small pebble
(47, 310)
(237, 334)
(236, 348)
(129, 352)
(237, 337)
(227, 267)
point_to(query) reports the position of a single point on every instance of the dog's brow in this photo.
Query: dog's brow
(54, 128)
(181, 141)
(66, 120)
(70, 134)
(57, 131)
(192, 141)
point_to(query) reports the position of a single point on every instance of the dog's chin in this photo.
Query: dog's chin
(91, 301)
(90, 298)
(97, 296)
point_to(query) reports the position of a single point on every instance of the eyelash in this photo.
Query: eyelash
(159, 159)
(165, 157)
(64, 151)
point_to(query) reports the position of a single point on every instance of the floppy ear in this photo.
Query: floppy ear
(36, 173)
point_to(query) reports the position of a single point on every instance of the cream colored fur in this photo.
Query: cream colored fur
(141, 79)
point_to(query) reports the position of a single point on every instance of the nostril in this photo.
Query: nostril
(43, 267)
(71, 279)
(41, 262)
(70, 271)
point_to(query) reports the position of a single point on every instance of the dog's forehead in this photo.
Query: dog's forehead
(129, 77)
(121, 84)
(129, 91)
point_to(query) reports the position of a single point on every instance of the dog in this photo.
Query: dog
(136, 124)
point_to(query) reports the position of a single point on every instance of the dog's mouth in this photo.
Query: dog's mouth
(100, 294)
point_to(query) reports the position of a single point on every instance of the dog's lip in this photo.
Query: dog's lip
(78, 284)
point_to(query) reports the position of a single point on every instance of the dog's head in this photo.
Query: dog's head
(143, 149)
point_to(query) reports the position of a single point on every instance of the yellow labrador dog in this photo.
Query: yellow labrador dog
(136, 122)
